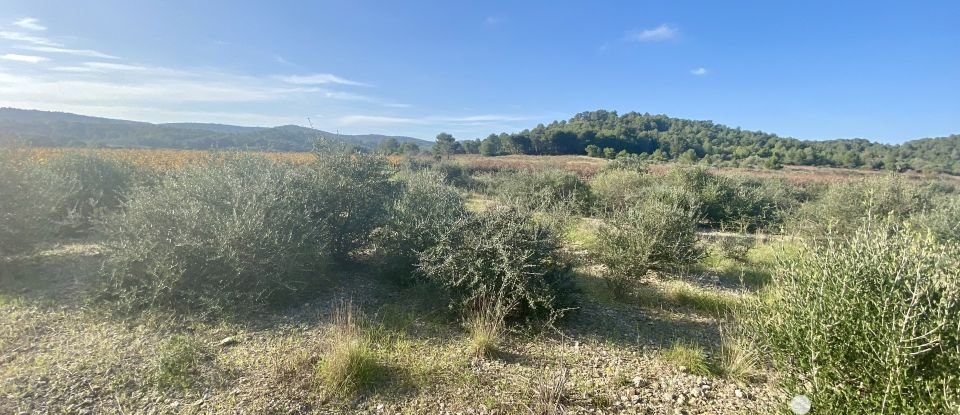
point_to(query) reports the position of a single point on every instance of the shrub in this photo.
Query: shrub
(360, 199)
(657, 234)
(738, 203)
(868, 323)
(454, 174)
(425, 209)
(544, 189)
(95, 186)
(734, 247)
(619, 189)
(499, 257)
(29, 199)
(240, 232)
(843, 207)
(943, 218)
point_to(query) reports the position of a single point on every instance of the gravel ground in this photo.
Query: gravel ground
(60, 353)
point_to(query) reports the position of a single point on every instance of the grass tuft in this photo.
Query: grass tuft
(690, 357)
(486, 330)
(549, 392)
(178, 361)
(350, 366)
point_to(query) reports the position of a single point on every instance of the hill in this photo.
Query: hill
(60, 129)
(606, 134)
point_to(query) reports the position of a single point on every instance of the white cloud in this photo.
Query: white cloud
(470, 120)
(29, 23)
(23, 37)
(24, 58)
(699, 71)
(318, 79)
(105, 67)
(88, 53)
(375, 119)
(662, 32)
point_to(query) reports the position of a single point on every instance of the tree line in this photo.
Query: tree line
(661, 138)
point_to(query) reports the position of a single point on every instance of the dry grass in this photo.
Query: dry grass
(156, 159)
(739, 359)
(548, 392)
(350, 366)
(486, 330)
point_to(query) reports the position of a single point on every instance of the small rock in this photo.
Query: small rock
(228, 341)
(667, 397)
(739, 393)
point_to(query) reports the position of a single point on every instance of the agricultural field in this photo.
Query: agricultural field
(178, 281)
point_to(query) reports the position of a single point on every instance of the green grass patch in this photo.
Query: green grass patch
(178, 362)
(687, 356)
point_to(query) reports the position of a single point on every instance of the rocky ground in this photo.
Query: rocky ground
(61, 352)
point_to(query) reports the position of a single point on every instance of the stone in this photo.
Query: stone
(739, 393)
(228, 341)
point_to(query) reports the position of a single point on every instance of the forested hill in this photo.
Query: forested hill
(606, 134)
(58, 129)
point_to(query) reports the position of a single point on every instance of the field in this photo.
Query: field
(154, 281)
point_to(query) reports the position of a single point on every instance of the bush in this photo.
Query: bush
(737, 203)
(867, 324)
(619, 189)
(544, 189)
(500, 258)
(943, 218)
(95, 187)
(240, 232)
(425, 209)
(361, 194)
(845, 206)
(658, 234)
(454, 174)
(29, 199)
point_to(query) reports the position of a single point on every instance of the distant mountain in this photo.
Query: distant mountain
(60, 129)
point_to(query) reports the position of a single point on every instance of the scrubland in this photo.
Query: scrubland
(343, 282)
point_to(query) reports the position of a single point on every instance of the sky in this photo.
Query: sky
(885, 71)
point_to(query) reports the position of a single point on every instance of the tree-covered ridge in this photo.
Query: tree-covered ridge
(607, 134)
(59, 129)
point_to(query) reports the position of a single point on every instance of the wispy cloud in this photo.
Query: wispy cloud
(318, 79)
(29, 23)
(87, 53)
(375, 119)
(492, 20)
(474, 120)
(701, 71)
(105, 67)
(24, 58)
(23, 37)
(659, 33)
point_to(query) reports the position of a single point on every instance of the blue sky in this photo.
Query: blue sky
(887, 71)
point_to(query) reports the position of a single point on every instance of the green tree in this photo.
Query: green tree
(388, 145)
(490, 146)
(609, 153)
(446, 145)
(410, 148)
(593, 150)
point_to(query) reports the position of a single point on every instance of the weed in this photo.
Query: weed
(178, 362)
(688, 357)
